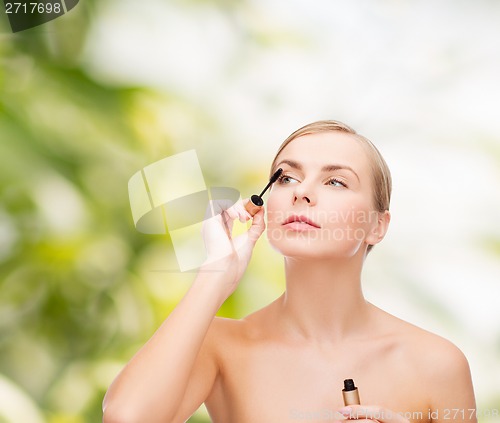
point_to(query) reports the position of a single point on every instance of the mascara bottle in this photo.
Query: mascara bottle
(350, 393)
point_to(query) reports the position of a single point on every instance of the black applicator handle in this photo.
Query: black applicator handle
(256, 201)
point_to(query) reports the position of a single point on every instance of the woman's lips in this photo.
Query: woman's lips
(300, 223)
(301, 219)
(299, 226)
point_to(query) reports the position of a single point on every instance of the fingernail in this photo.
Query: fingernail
(346, 411)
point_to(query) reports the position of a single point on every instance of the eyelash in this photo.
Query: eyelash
(284, 175)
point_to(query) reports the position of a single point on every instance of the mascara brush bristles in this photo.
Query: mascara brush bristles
(273, 179)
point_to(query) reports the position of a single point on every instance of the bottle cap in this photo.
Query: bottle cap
(254, 204)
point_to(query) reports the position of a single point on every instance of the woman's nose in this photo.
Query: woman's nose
(303, 194)
(295, 200)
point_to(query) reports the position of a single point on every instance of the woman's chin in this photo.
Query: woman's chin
(301, 248)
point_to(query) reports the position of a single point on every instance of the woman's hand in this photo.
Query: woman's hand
(225, 253)
(371, 413)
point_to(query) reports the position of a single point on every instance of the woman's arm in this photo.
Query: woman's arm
(152, 385)
(177, 359)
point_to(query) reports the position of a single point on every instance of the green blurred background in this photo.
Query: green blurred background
(91, 98)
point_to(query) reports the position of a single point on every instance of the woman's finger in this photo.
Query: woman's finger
(216, 231)
(258, 226)
(372, 412)
(231, 212)
(240, 212)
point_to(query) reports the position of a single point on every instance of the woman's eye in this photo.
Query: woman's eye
(336, 183)
(285, 179)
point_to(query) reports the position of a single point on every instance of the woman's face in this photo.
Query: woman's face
(327, 179)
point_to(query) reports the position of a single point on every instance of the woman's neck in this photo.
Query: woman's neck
(323, 301)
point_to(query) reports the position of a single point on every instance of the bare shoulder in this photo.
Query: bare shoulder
(438, 362)
(228, 336)
(225, 328)
(441, 361)
(247, 327)
(225, 332)
(444, 369)
(436, 354)
(228, 339)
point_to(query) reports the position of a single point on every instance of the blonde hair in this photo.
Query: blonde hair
(382, 181)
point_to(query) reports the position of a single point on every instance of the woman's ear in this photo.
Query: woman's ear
(379, 229)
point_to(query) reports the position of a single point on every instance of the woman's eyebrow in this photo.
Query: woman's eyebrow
(325, 168)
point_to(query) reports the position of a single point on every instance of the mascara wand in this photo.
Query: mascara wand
(256, 201)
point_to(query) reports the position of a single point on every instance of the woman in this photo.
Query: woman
(287, 361)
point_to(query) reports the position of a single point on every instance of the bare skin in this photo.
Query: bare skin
(287, 361)
(269, 372)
